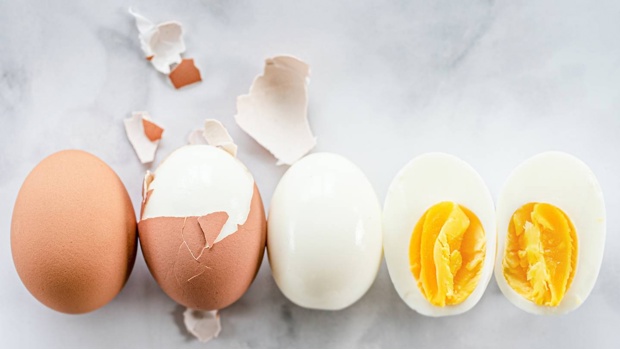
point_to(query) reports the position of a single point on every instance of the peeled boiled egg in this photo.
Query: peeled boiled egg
(439, 235)
(324, 240)
(202, 228)
(551, 226)
(73, 233)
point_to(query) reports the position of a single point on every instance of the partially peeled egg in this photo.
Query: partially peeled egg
(439, 235)
(202, 228)
(551, 226)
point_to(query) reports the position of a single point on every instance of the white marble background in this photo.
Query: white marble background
(493, 82)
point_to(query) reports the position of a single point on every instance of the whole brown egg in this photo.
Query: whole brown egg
(73, 232)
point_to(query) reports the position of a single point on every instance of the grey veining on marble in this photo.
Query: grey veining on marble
(493, 82)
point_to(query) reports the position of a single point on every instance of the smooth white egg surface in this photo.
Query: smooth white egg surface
(426, 183)
(324, 233)
(196, 180)
(553, 270)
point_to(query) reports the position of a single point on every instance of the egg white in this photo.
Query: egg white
(196, 180)
(324, 241)
(566, 182)
(422, 183)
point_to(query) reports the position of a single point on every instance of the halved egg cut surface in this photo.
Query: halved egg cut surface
(439, 235)
(541, 253)
(551, 228)
(446, 253)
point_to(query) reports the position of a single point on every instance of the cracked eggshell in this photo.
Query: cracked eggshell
(275, 111)
(203, 227)
(204, 325)
(162, 44)
(73, 233)
(144, 135)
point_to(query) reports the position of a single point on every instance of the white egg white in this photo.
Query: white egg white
(324, 241)
(425, 181)
(566, 182)
(196, 180)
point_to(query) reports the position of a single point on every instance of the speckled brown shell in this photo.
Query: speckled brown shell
(73, 233)
(194, 271)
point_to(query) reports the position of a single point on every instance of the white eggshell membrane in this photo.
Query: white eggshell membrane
(564, 181)
(324, 239)
(196, 180)
(425, 181)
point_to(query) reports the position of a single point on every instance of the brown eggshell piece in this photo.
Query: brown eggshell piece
(185, 73)
(73, 233)
(211, 225)
(152, 131)
(197, 276)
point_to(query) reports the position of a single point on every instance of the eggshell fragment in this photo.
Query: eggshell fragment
(152, 131)
(144, 135)
(73, 233)
(162, 43)
(215, 134)
(204, 325)
(196, 137)
(211, 225)
(185, 73)
(146, 193)
(274, 112)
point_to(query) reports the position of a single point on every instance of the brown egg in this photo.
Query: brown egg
(73, 233)
(182, 251)
(214, 279)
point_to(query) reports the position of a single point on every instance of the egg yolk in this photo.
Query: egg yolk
(541, 253)
(446, 253)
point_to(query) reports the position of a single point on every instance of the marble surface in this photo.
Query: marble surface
(493, 82)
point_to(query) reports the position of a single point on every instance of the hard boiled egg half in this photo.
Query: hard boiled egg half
(551, 226)
(439, 235)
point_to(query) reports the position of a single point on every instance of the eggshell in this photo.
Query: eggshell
(73, 233)
(202, 227)
(162, 44)
(275, 111)
(185, 73)
(204, 278)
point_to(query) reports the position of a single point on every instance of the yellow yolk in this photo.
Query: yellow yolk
(446, 253)
(541, 253)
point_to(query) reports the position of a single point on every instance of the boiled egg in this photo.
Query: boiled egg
(73, 233)
(439, 235)
(324, 242)
(551, 226)
(202, 227)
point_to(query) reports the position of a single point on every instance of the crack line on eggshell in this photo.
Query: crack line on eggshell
(187, 245)
(202, 272)
(207, 247)
(174, 271)
(178, 254)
